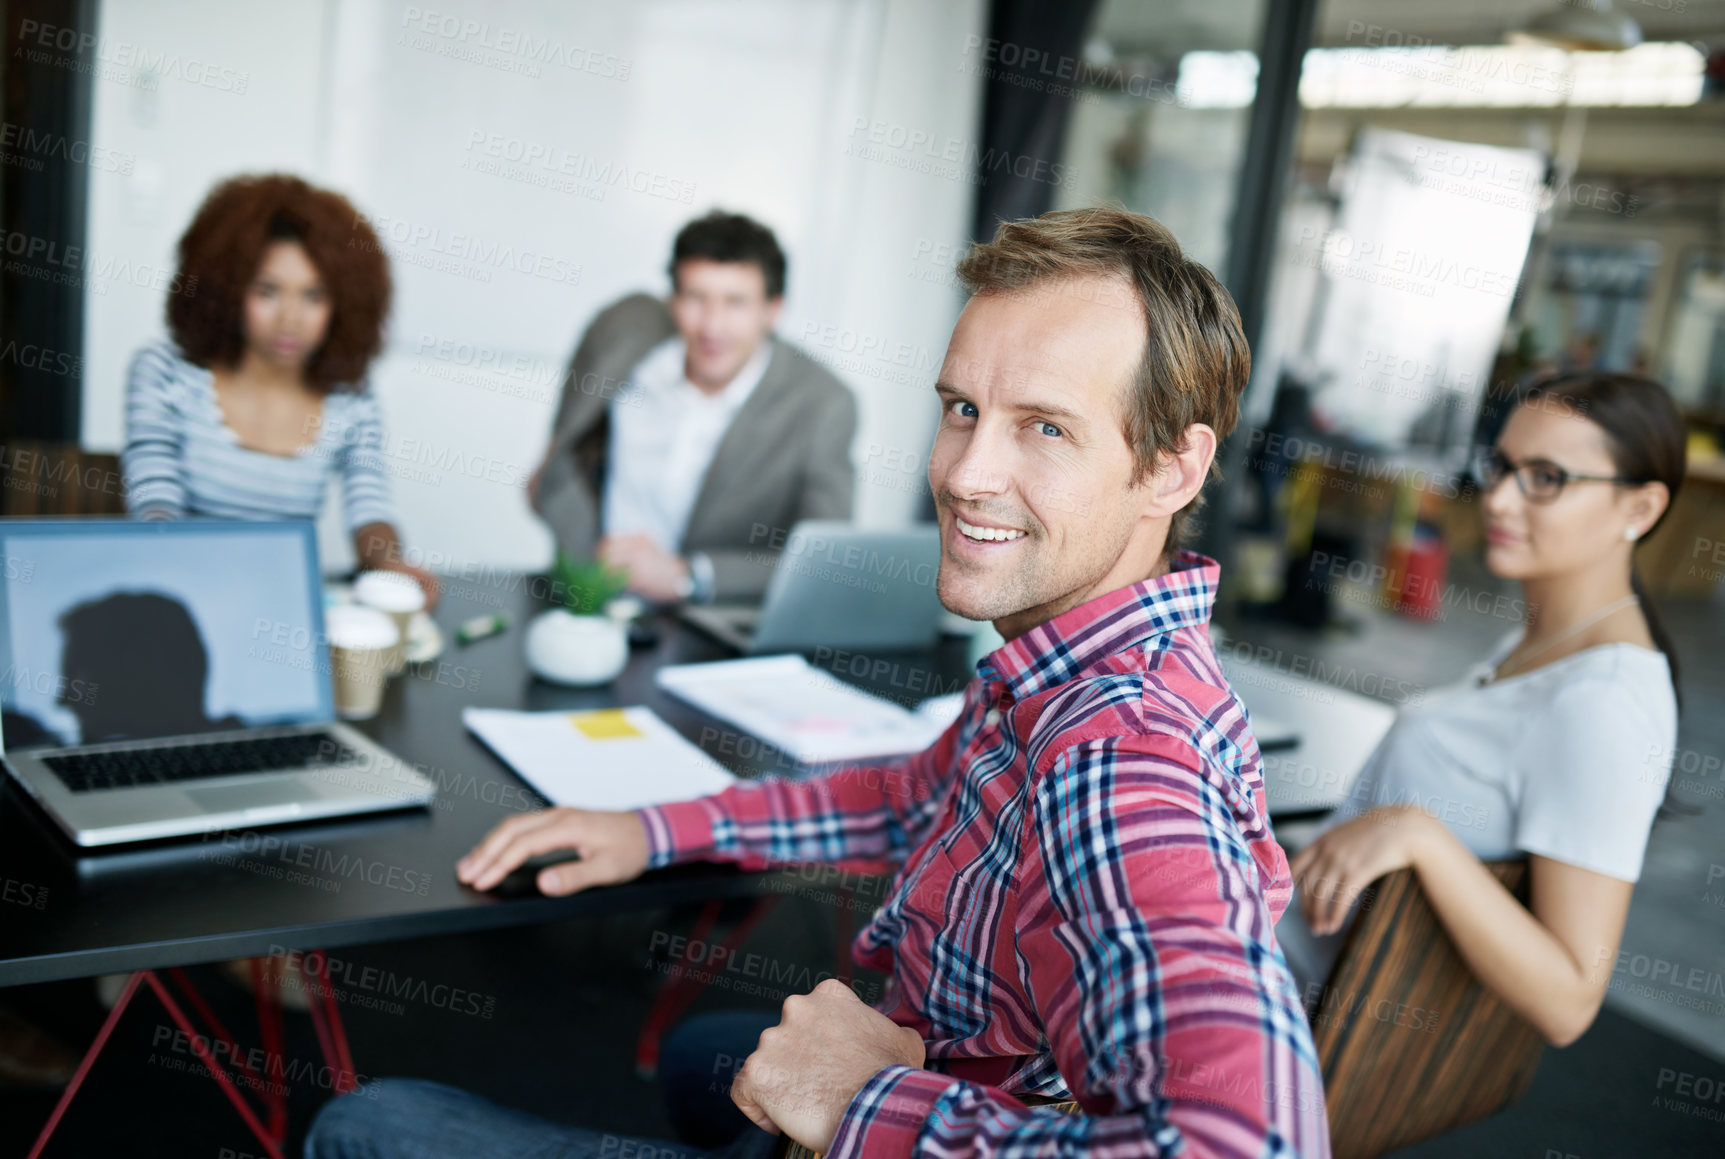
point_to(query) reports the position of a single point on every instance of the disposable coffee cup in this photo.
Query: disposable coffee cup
(360, 643)
(397, 596)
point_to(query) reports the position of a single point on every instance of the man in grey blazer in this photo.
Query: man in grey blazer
(687, 434)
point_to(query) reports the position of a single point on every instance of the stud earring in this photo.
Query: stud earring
(1630, 534)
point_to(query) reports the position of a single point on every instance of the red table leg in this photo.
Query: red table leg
(217, 1072)
(202, 1050)
(326, 1019)
(269, 1010)
(53, 1122)
(273, 1095)
(331, 1036)
(680, 989)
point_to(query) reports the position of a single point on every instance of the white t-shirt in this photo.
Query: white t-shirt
(1568, 761)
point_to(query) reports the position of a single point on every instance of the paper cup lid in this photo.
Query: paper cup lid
(355, 627)
(389, 591)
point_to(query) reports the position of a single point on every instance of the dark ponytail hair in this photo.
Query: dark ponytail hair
(1649, 444)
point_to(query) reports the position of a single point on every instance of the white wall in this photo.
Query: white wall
(753, 105)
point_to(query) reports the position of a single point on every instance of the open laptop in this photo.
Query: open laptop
(837, 585)
(159, 679)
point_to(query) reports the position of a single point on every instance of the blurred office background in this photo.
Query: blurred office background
(521, 188)
(528, 162)
(1416, 205)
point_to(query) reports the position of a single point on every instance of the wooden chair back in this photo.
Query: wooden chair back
(1410, 1043)
(58, 479)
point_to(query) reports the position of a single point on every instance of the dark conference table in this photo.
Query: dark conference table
(246, 893)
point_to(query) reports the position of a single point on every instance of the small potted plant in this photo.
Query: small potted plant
(578, 643)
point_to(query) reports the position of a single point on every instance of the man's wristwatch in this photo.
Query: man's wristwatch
(698, 584)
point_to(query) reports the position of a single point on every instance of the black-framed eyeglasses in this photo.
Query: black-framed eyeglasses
(1541, 480)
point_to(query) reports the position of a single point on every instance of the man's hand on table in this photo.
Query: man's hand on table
(654, 572)
(807, 1069)
(613, 848)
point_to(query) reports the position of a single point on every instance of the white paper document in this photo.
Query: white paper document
(806, 712)
(608, 758)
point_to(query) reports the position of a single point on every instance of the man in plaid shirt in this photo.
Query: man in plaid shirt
(1087, 883)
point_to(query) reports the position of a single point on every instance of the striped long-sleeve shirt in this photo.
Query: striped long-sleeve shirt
(182, 458)
(1085, 904)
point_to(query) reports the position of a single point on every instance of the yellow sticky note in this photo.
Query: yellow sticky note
(604, 724)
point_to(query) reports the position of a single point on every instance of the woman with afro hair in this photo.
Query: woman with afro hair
(260, 396)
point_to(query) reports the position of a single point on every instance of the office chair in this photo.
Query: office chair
(1410, 1043)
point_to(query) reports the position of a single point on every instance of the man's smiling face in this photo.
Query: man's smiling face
(1031, 471)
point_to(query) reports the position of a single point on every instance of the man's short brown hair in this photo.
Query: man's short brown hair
(1196, 361)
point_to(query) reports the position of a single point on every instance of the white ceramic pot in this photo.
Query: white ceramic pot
(580, 650)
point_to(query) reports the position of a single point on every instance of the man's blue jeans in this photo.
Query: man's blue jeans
(426, 1120)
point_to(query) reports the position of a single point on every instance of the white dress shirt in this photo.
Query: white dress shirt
(664, 434)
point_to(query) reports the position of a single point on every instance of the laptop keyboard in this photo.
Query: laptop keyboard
(87, 772)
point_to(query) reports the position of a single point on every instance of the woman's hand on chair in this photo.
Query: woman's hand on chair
(1331, 872)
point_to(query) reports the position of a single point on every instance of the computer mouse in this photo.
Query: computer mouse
(523, 880)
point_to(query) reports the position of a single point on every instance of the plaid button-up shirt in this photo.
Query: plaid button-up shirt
(1085, 900)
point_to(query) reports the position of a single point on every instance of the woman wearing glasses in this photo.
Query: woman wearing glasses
(1557, 746)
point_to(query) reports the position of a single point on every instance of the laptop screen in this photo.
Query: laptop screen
(121, 630)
